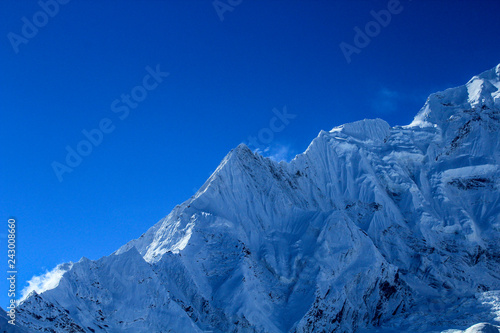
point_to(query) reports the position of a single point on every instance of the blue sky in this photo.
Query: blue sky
(227, 80)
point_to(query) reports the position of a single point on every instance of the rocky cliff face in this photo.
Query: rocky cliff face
(372, 228)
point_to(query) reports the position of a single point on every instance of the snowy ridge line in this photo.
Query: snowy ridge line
(372, 229)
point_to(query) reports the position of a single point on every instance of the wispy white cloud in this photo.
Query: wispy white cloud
(278, 152)
(47, 281)
(387, 101)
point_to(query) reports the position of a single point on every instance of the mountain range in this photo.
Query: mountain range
(372, 229)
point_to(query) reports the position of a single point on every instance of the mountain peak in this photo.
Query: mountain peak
(482, 92)
(242, 148)
(376, 130)
(490, 74)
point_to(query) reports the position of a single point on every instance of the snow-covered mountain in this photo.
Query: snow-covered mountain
(372, 229)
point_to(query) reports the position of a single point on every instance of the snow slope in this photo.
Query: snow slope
(372, 229)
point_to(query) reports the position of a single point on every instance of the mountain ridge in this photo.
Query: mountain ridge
(372, 226)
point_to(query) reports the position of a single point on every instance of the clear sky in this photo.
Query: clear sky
(101, 67)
